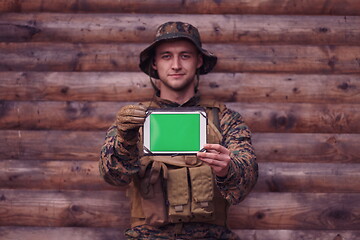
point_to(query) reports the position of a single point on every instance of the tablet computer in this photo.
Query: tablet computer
(174, 131)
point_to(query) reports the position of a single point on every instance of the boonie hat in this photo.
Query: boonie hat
(175, 30)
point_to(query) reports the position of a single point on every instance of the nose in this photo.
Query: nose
(176, 63)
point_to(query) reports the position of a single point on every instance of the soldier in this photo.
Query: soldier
(183, 196)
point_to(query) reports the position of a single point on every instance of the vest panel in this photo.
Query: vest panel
(177, 189)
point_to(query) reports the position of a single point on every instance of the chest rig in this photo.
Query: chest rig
(178, 189)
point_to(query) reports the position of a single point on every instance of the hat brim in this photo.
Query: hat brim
(146, 56)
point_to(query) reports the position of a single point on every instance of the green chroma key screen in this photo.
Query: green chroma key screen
(174, 131)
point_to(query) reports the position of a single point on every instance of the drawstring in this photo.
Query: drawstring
(157, 90)
(197, 80)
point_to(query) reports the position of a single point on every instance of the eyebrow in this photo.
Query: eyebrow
(167, 52)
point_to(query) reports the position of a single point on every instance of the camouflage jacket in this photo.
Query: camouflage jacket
(118, 169)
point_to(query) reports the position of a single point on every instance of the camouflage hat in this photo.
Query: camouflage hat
(175, 30)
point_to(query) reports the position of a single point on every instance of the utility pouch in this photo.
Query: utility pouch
(154, 208)
(153, 200)
(178, 195)
(202, 188)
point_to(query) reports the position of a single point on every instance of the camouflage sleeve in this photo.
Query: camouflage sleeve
(115, 166)
(243, 172)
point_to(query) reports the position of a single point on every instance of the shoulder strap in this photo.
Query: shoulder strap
(215, 108)
(212, 104)
(150, 104)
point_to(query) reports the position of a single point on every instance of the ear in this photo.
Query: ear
(154, 64)
(200, 60)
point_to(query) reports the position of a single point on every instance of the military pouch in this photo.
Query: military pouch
(178, 195)
(202, 188)
(153, 200)
(154, 208)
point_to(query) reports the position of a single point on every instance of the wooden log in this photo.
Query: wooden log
(68, 57)
(108, 28)
(83, 233)
(270, 147)
(308, 177)
(301, 118)
(273, 177)
(232, 57)
(57, 145)
(306, 147)
(69, 86)
(245, 234)
(64, 208)
(333, 7)
(311, 211)
(290, 117)
(53, 175)
(61, 233)
(227, 87)
(56, 115)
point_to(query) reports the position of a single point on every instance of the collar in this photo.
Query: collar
(164, 103)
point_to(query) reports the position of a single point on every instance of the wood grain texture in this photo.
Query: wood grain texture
(308, 177)
(232, 57)
(328, 7)
(245, 234)
(61, 233)
(110, 28)
(261, 117)
(291, 68)
(269, 147)
(53, 175)
(306, 147)
(45, 145)
(313, 211)
(134, 87)
(111, 209)
(64, 208)
(84, 233)
(273, 176)
(300, 118)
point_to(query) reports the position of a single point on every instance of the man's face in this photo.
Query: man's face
(176, 63)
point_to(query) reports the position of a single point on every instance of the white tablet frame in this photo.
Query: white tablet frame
(181, 110)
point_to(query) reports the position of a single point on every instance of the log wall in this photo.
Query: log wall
(291, 68)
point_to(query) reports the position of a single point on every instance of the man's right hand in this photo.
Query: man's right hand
(128, 121)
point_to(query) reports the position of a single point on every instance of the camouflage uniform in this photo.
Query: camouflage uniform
(119, 162)
(119, 169)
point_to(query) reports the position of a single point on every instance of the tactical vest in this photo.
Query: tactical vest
(178, 189)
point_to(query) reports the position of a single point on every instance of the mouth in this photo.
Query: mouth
(176, 75)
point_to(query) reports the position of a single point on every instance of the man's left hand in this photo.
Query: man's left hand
(217, 157)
